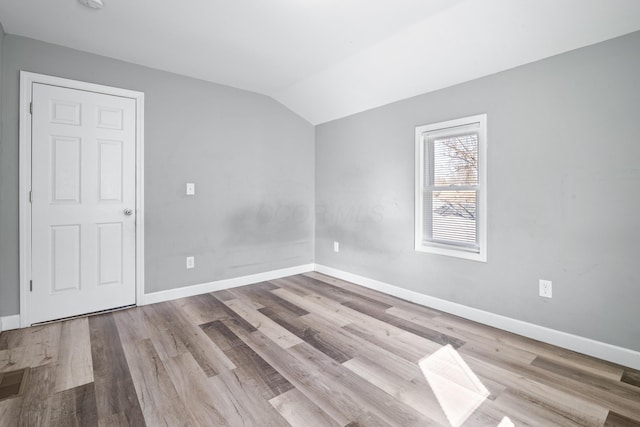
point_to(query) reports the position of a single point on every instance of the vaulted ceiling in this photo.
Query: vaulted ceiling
(326, 59)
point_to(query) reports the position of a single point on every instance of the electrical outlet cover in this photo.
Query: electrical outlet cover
(546, 289)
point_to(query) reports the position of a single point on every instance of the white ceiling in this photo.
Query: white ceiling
(326, 59)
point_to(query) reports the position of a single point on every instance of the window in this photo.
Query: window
(451, 188)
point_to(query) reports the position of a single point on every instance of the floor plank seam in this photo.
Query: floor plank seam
(301, 350)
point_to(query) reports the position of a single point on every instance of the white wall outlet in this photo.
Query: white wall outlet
(191, 188)
(545, 288)
(191, 262)
(336, 246)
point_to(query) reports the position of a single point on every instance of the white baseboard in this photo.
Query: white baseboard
(601, 350)
(9, 322)
(219, 285)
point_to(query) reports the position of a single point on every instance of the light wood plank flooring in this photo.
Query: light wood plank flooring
(307, 350)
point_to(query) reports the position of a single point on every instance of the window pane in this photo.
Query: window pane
(454, 160)
(453, 217)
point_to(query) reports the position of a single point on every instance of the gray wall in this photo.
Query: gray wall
(564, 171)
(563, 176)
(250, 157)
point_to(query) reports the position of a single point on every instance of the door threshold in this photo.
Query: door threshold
(80, 316)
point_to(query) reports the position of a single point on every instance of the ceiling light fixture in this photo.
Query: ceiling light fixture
(93, 4)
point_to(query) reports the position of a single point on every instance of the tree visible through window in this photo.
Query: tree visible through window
(455, 165)
(451, 194)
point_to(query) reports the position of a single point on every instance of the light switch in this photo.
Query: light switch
(191, 188)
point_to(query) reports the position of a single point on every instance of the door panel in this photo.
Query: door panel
(65, 112)
(83, 179)
(110, 252)
(65, 169)
(110, 171)
(65, 257)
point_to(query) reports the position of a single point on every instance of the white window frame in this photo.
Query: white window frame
(479, 254)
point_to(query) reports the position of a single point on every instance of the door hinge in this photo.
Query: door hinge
(31, 108)
(30, 285)
(30, 196)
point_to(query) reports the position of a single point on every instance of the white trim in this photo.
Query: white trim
(140, 198)
(601, 350)
(27, 79)
(9, 322)
(219, 285)
(446, 128)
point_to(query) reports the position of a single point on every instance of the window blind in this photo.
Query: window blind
(451, 189)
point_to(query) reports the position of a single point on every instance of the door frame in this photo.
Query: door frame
(27, 79)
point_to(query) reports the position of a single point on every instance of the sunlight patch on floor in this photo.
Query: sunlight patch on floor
(457, 388)
(506, 422)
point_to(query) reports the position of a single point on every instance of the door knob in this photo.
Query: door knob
(128, 211)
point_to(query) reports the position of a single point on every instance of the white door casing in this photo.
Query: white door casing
(80, 251)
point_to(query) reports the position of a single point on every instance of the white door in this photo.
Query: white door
(83, 199)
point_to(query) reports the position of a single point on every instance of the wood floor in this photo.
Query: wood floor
(307, 350)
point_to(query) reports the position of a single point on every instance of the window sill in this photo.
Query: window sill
(454, 252)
